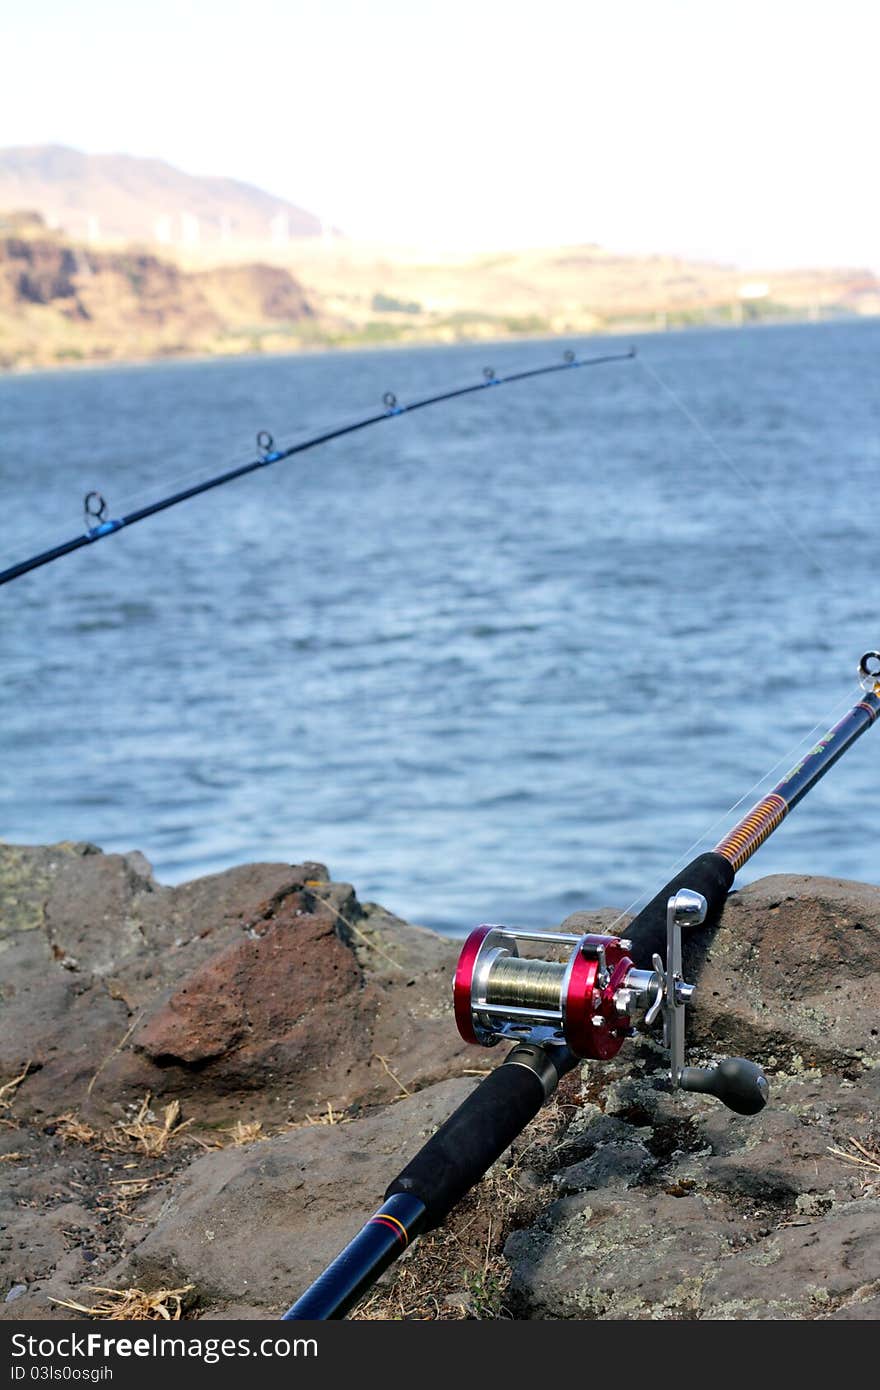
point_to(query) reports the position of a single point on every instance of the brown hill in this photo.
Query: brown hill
(558, 290)
(60, 301)
(63, 300)
(120, 197)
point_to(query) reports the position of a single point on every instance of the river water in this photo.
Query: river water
(497, 660)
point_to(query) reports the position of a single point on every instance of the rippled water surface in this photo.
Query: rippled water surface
(496, 660)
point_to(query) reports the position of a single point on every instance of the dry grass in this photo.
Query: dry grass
(244, 1132)
(133, 1305)
(72, 1130)
(11, 1158)
(137, 1186)
(118, 1048)
(458, 1272)
(252, 1131)
(866, 1159)
(143, 1133)
(396, 1079)
(237, 1135)
(122, 1193)
(7, 1097)
(326, 1117)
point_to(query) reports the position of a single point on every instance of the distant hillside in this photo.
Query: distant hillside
(119, 197)
(64, 302)
(388, 296)
(64, 299)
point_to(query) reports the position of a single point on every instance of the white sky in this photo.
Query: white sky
(729, 129)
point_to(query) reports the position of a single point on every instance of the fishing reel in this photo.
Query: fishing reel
(592, 1000)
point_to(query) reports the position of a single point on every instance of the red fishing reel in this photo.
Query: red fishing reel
(591, 999)
(582, 1000)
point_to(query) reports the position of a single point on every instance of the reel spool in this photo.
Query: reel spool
(591, 1000)
(583, 1001)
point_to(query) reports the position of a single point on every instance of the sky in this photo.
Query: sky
(726, 129)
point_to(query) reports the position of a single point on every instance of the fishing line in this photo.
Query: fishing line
(730, 463)
(95, 505)
(823, 723)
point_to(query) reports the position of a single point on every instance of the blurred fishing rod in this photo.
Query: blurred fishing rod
(99, 525)
(560, 1012)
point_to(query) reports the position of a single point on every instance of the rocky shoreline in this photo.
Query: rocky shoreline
(206, 1088)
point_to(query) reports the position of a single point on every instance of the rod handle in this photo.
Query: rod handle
(710, 875)
(482, 1127)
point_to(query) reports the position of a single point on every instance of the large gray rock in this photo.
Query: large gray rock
(735, 1218)
(675, 1208)
(253, 1226)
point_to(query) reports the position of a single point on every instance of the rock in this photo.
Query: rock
(253, 294)
(801, 1271)
(255, 1225)
(233, 1312)
(612, 1255)
(611, 1164)
(863, 1308)
(265, 993)
(723, 1202)
(247, 997)
(130, 937)
(269, 993)
(263, 988)
(729, 1217)
(794, 970)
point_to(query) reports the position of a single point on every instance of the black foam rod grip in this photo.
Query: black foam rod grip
(710, 874)
(469, 1142)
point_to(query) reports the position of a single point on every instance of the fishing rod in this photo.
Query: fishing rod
(98, 524)
(559, 1012)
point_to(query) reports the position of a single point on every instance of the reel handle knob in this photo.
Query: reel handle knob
(736, 1082)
